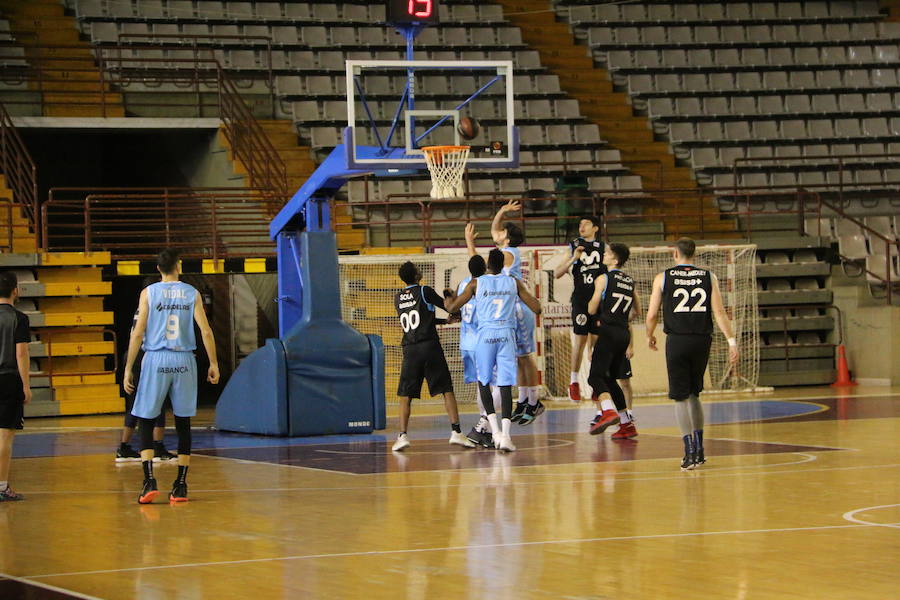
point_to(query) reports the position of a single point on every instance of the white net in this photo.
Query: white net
(735, 267)
(446, 165)
(368, 285)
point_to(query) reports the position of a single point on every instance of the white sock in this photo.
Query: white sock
(3, 485)
(523, 394)
(507, 427)
(573, 377)
(624, 417)
(607, 404)
(533, 395)
(492, 420)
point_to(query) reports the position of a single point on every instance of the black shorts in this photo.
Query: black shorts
(424, 360)
(608, 358)
(12, 401)
(582, 323)
(624, 371)
(686, 360)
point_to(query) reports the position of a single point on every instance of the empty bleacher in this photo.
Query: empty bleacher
(779, 87)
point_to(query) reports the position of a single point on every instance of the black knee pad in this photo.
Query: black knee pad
(183, 428)
(146, 430)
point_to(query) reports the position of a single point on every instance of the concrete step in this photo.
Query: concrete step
(769, 298)
(822, 323)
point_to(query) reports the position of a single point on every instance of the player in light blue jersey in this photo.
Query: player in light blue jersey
(508, 237)
(495, 297)
(165, 328)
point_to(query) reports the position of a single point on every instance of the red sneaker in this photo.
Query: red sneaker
(574, 392)
(607, 418)
(626, 431)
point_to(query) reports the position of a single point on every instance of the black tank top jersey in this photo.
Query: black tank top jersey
(588, 268)
(615, 308)
(416, 315)
(687, 300)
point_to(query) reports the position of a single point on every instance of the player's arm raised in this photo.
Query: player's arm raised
(563, 267)
(135, 341)
(526, 296)
(722, 320)
(497, 231)
(599, 286)
(209, 342)
(653, 311)
(452, 306)
(471, 234)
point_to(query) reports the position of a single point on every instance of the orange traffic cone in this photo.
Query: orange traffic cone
(843, 372)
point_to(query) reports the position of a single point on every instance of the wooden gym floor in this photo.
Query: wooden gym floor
(799, 499)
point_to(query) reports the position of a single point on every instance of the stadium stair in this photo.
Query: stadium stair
(71, 93)
(592, 86)
(893, 9)
(300, 166)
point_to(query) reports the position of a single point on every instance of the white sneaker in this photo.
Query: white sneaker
(401, 444)
(506, 444)
(459, 439)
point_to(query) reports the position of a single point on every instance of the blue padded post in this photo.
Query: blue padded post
(255, 399)
(322, 376)
(379, 408)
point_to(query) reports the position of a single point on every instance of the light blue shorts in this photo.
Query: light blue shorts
(525, 324)
(470, 370)
(166, 373)
(496, 349)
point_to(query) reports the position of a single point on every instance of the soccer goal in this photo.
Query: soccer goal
(368, 285)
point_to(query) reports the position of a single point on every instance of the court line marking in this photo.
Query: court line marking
(849, 516)
(257, 462)
(761, 442)
(561, 444)
(455, 549)
(484, 484)
(49, 587)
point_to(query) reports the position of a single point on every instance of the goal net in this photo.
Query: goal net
(368, 285)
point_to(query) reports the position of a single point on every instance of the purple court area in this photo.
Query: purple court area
(558, 437)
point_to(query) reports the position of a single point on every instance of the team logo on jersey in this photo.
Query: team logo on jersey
(581, 319)
(591, 258)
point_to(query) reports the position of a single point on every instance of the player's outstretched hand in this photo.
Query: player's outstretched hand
(511, 206)
(733, 354)
(651, 342)
(128, 382)
(212, 375)
(449, 294)
(471, 234)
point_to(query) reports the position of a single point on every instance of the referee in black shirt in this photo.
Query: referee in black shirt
(690, 298)
(15, 386)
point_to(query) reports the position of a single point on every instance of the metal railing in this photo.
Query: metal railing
(18, 169)
(202, 223)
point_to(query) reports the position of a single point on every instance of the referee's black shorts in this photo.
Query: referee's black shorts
(608, 358)
(686, 360)
(424, 360)
(12, 401)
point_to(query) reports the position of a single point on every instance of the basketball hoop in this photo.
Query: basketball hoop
(446, 165)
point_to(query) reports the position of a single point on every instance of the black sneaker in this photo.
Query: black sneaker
(161, 454)
(688, 462)
(532, 413)
(519, 412)
(126, 453)
(475, 436)
(179, 492)
(487, 439)
(148, 492)
(699, 457)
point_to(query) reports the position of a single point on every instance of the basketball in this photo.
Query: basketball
(467, 128)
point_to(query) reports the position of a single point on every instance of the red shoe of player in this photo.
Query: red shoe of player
(607, 418)
(626, 431)
(575, 392)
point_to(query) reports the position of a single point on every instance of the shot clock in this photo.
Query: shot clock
(401, 12)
